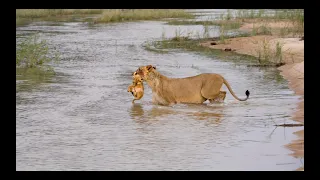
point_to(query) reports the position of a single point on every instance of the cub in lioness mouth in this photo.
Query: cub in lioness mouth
(136, 88)
(193, 89)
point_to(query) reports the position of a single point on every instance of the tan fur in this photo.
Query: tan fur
(195, 89)
(220, 98)
(136, 88)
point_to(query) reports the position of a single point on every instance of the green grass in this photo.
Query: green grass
(22, 21)
(32, 53)
(249, 14)
(278, 54)
(41, 13)
(25, 16)
(186, 40)
(266, 54)
(261, 30)
(291, 31)
(194, 46)
(189, 44)
(284, 14)
(234, 20)
(228, 25)
(294, 17)
(288, 30)
(141, 14)
(223, 26)
(222, 34)
(32, 58)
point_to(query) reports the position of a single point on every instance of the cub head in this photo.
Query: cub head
(136, 77)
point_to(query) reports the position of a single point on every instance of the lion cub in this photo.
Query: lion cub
(136, 88)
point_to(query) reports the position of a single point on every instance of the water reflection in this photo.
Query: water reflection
(212, 117)
(213, 114)
(136, 111)
(138, 114)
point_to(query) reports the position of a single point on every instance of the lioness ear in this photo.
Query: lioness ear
(149, 67)
(154, 67)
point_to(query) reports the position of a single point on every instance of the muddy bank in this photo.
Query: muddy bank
(293, 71)
(292, 48)
(250, 23)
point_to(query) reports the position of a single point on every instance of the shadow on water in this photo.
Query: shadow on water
(140, 115)
(30, 78)
(136, 111)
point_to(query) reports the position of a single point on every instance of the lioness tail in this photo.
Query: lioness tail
(228, 86)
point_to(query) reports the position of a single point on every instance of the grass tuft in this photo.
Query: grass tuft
(228, 25)
(266, 54)
(293, 17)
(261, 30)
(141, 14)
(24, 16)
(41, 13)
(185, 42)
(33, 53)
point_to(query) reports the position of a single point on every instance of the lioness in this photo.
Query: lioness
(195, 89)
(136, 88)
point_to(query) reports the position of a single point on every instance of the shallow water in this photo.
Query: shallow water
(83, 119)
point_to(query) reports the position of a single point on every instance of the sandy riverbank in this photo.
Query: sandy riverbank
(293, 71)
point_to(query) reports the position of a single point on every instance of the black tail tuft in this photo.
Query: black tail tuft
(247, 93)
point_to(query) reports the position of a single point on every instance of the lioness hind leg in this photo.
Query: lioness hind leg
(222, 95)
(211, 90)
(220, 98)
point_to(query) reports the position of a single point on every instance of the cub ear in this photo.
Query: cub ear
(154, 67)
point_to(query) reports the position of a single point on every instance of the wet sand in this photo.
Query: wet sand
(293, 71)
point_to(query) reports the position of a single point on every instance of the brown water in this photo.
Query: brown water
(83, 119)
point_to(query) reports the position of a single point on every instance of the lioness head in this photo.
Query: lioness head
(144, 71)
